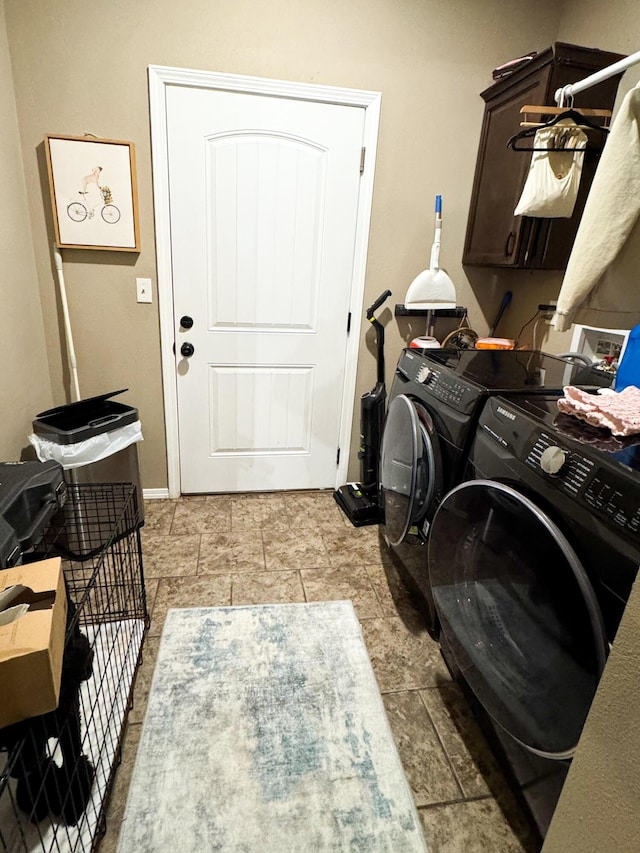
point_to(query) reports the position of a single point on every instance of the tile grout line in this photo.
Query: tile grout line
(477, 799)
(198, 554)
(443, 745)
(375, 591)
(264, 552)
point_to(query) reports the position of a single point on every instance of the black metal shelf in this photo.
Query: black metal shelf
(401, 311)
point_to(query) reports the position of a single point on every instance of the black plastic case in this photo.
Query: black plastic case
(30, 494)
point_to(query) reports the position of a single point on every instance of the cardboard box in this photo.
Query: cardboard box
(32, 642)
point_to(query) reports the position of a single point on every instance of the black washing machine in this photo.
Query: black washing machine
(531, 561)
(434, 403)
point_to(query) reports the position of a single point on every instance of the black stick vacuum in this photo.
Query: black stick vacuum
(359, 501)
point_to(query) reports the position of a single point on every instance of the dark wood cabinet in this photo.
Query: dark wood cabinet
(495, 237)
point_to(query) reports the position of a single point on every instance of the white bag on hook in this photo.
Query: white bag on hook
(554, 175)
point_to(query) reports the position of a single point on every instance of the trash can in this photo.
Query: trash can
(95, 440)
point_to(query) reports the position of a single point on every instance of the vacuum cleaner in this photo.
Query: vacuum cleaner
(359, 501)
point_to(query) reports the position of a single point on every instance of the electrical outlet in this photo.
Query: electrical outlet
(143, 289)
(547, 310)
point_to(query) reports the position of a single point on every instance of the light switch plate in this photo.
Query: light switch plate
(143, 288)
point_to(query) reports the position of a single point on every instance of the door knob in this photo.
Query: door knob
(187, 350)
(186, 322)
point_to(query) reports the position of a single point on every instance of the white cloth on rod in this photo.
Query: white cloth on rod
(553, 180)
(600, 286)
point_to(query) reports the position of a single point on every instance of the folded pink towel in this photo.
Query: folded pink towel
(618, 411)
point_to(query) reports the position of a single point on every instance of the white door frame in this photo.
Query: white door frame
(160, 78)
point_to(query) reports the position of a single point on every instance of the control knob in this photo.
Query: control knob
(553, 459)
(424, 373)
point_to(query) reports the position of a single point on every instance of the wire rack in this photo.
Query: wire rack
(57, 770)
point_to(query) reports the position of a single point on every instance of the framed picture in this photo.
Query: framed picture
(93, 193)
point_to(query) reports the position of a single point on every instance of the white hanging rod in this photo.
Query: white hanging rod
(610, 71)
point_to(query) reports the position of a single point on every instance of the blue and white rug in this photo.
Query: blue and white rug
(265, 731)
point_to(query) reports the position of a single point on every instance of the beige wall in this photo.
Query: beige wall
(25, 384)
(81, 68)
(599, 809)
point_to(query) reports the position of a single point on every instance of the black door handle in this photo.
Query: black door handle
(187, 350)
(186, 322)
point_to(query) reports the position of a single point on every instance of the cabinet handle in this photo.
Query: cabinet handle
(508, 246)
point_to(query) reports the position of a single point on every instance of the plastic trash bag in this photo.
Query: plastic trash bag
(90, 450)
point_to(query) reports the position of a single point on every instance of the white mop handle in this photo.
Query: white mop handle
(434, 262)
(67, 323)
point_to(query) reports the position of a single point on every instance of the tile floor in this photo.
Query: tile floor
(293, 547)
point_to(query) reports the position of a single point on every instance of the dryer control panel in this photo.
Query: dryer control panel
(571, 474)
(439, 383)
(579, 476)
(445, 388)
(605, 496)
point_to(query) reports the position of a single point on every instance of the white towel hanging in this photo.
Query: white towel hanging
(552, 184)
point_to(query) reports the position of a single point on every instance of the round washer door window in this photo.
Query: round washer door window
(408, 467)
(518, 613)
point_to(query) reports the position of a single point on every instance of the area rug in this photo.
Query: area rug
(265, 731)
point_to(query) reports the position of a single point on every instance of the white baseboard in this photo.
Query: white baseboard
(155, 494)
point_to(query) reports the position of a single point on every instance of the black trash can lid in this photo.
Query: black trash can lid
(74, 409)
(75, 422)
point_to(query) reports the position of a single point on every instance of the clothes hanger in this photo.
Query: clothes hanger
(580, 120)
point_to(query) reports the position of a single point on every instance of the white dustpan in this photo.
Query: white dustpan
(432, 289)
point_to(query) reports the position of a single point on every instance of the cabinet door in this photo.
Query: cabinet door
(494, 234)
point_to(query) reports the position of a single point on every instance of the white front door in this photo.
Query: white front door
(263, 208)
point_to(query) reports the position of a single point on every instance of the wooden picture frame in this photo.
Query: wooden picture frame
(93, 193)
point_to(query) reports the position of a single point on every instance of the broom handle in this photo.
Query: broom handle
(57, 256)
(434, 263)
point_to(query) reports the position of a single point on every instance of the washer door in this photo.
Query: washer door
(410, 467)
(518, 613)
